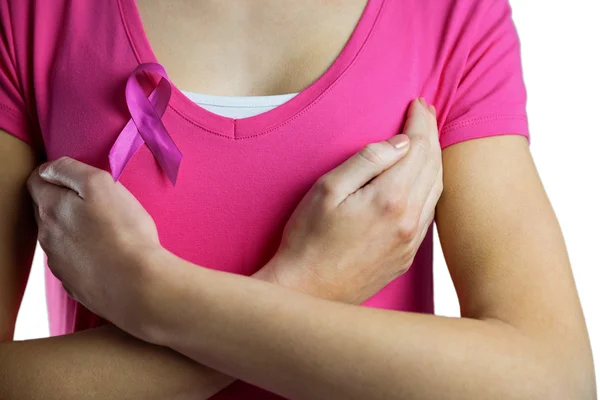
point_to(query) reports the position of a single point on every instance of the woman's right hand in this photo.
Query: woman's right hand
(360, 225)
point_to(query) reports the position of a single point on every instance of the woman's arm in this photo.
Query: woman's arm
(101, 363)
(104, 362)
(523, 335)
(94, 364)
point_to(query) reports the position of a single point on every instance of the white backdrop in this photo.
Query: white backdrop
(561, 58)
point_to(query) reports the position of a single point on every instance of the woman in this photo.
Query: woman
(307, 230)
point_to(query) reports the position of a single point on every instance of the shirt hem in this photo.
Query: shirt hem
(480, 127)
(13, 124)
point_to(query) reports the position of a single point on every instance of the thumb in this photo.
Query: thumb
(421, 120)
(366, 164)
(70, 173)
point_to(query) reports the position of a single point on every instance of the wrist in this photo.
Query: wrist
(268, 273)
(150, 305)
(292, 274)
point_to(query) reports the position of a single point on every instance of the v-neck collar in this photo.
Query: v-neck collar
(272, 119)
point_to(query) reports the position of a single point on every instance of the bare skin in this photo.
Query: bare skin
(67, 359)
(94, 364)
(282, 73)
(522, 335)
(211, 47)
(31, 369)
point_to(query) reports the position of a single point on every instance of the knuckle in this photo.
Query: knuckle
(408, 229)
(404, 261)
(326, 186)
(372, 153)
(393, 206)
(405, 266)
(43, 237)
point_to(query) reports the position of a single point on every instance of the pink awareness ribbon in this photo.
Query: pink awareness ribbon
(146, 126)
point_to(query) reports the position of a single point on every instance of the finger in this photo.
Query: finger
(43, 193)
(428, 214)
(431, 201)
(424, 229)
(50, 203)
(365, 165)
(36, 213)
(71, 174)
(421, 128)
(426, 190)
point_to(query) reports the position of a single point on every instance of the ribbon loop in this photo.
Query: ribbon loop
(146, 126)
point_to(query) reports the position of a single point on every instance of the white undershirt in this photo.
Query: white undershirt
(238, 106)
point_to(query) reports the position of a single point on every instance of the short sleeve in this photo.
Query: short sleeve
(490, 97)
(14, 117)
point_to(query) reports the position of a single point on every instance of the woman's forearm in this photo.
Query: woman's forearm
(101, 363)
(302, 347)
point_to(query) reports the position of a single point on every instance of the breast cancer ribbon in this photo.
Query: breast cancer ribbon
(145, 126)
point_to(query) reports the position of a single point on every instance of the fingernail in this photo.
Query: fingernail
(399, 141)
(432, 110)
(423, 102)
(42, 168)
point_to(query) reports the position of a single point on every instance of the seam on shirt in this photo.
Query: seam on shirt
(128, 33)
(18, 118)
(474, 121)
(9, 110)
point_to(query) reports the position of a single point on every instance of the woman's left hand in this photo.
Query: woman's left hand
(95, 233)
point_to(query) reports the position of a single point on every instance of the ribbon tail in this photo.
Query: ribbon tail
(123, 150)
(169, 157)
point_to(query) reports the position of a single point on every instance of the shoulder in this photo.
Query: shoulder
(41, 21)
(465, 11)
(451, 26)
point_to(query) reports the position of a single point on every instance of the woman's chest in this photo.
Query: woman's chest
(233, 194)
(248, 47)
(239, 180)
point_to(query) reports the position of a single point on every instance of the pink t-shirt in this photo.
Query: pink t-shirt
(63, 68)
